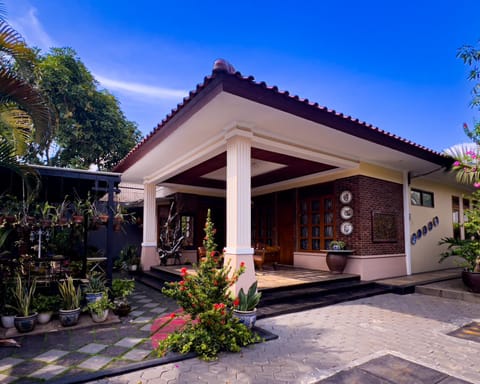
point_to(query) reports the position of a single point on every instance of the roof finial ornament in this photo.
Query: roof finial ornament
(223, 65)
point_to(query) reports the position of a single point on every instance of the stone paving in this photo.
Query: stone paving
(314, 346)
(69, 353)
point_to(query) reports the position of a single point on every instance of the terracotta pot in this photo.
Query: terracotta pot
(337, 260)
(77, 219)
(471, 281)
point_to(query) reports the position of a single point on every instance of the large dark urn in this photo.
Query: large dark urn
(471, 280)
(337, 260)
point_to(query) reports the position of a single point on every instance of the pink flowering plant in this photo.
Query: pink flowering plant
(204, 296)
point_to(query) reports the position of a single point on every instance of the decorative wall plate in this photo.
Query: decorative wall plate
(346, 212)
(346, 228)
(346, 197)
(413, 239)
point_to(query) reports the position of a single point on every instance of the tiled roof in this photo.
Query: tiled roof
(223, 71)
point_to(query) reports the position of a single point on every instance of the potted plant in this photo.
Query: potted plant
(467, 251)
(7, 313)
(96, 287)
(70, 308)
(99, 309)
(337, 245)
(467, 254)
(245, 305)
(78, 211)
(337, 256)
(129, 255)
(45, 306)
(23, 293)
(121, 289)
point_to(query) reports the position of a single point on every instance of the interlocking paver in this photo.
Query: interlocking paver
(136, 313)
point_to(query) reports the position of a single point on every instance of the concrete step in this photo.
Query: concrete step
(325, 298)
(452, 289)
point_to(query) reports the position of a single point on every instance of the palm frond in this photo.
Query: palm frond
(13, 89)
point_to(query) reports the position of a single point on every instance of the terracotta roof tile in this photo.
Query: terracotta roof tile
(220, 68)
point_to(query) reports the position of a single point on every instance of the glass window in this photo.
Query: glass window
(421, 198)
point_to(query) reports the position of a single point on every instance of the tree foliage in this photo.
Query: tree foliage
(22, 107)
(90, 126)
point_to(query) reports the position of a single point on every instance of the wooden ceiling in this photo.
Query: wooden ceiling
(292, 167)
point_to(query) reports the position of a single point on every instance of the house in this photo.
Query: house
(282, 170)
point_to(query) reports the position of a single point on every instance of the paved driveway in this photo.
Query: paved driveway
(316, 344)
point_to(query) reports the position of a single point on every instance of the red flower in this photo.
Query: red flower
(213, 253)
(242, 264)
(181, 282)
(236, 302)
(183, 272)
(218, 306)
(172, 315)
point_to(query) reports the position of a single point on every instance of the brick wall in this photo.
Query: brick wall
(370, 195)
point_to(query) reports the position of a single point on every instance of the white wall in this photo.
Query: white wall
(426, 252)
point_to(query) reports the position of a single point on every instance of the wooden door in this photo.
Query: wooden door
(286, 205)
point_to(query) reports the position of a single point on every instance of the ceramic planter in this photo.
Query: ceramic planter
(337, 260)
(69, 317)
(25, 323)
(93, 297)
(246, 317)
(7, 321)
(471, 281)
(44, 317)
(99, 318)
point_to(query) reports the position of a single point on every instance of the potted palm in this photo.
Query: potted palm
(70, 308)
(121, 289)
(245, 305)
(99, 309)
(95, 288)
(23, 293)
(466, 252)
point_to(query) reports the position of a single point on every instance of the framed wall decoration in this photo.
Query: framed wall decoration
(384, 227)
(346, 212)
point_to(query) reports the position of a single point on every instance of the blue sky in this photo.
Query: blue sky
(389, 63)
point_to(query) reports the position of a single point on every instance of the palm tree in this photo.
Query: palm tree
(23, 112)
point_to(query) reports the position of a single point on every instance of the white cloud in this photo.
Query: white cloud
(141, 89)
(32, 30)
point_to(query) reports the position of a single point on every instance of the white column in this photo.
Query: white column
(149, 245)
(239, 249)
(406, 221)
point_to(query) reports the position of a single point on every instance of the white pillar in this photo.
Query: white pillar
(149, 245)
(239, 249)
(406, 223)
